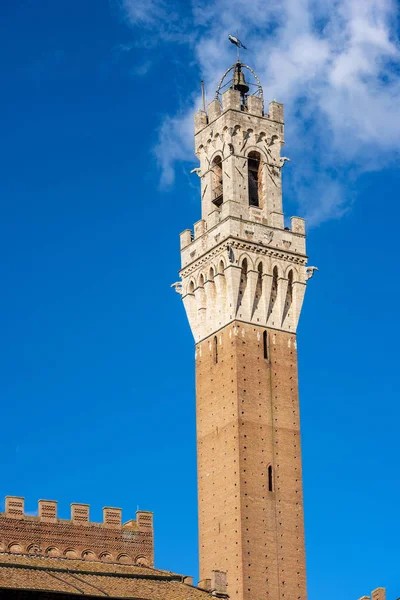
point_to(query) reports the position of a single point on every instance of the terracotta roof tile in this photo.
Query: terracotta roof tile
(93, 579)
(95, 566)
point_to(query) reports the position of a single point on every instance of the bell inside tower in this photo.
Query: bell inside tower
(240, 84)
(234, 79)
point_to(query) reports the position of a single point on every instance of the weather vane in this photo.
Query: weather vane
(235, 40)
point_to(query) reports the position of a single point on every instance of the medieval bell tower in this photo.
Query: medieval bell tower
(243, 281)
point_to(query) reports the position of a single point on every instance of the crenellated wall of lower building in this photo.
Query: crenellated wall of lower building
(77, 538)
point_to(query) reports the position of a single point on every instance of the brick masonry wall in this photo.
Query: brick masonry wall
(247, 421)
(46, 535)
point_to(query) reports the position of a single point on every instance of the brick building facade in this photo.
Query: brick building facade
(44, 557)
(77, 538)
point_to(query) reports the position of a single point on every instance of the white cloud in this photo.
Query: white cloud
(335, 65)
(162, 21)
(175, 143)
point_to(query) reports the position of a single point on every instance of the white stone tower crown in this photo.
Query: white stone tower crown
(242, 263)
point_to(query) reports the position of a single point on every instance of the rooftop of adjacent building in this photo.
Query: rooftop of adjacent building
(378, 594)
(19, 573)
(42, 555)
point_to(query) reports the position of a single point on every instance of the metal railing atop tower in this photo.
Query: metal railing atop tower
(238, 82)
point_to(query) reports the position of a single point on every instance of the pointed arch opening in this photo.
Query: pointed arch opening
(289, 294)
(255, 178)
(211, 291)
(259, 286)
(274, 290)
(220, 290)
(290, 287)
(217, 183)
(243, 282)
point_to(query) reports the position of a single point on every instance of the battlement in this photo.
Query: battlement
(231, 102)
(378, 594)
(241, 228)
(77, 537)
(47, 513)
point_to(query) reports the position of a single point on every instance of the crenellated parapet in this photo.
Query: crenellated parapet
(378, 594)
(77, 537)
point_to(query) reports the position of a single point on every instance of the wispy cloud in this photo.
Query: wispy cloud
(148, 12)
(175, 144)
(141, 69)
(335, 65)
(163, 20)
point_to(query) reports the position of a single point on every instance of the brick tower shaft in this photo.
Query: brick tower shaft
(249, 465)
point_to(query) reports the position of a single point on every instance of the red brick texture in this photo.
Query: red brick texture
(248, 421)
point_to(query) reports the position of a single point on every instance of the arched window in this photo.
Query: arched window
(290, 284)
(289, 295)
(217, 189)
(270, 479)
(259, 287)
(210, 288)
(221, 288)
(290, 287)
(243, 282)
(255, 179)
(265, 344)
(274, 290)
(243, 276)
(215, 349)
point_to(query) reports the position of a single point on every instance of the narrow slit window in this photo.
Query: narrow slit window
(265, 344)
(255, 180)
(215, 349)
(270, 479)
(217, 184)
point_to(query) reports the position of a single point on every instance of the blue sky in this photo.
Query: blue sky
(97, 378)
